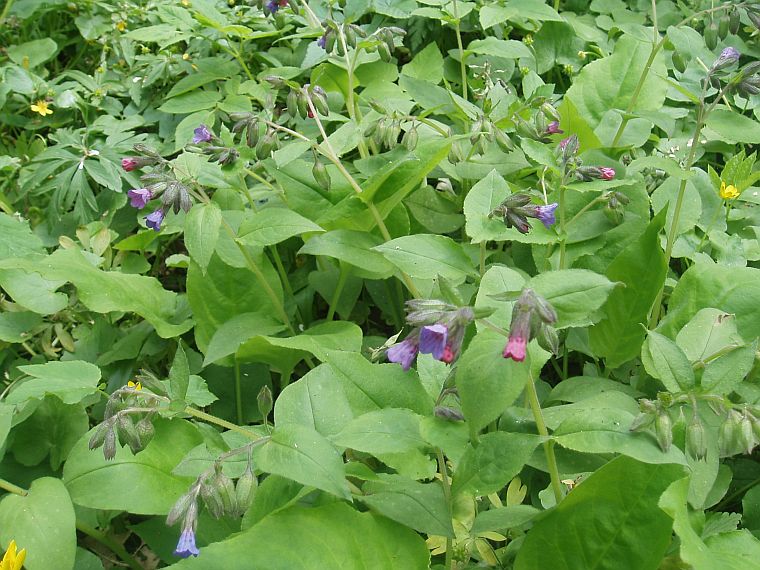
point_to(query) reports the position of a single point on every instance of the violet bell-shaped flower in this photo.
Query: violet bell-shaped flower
(139, 197)
(404, 352)
(433, 339)
(186, 544)
(202, 134)
(154, 219)
(545, 214)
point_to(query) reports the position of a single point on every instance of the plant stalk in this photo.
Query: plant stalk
(551, 460)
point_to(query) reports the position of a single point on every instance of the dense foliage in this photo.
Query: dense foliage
(379, 284)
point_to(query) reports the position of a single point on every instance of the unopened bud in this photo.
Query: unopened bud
(245, 490)
(319, 171)
(145, 431)
(503, 141)
(410, 138)
(663, 429)
(745, 434)
(109, 445)
(226, 489)
(447, 413)
(99, 437)
(548, 338)
(319, 99)
(678, 62)
(264, 400)
(212, 500)
(180, 508)
(734, 21)
(727, 435)
(641, 421)
(696, 439)
(128, 433)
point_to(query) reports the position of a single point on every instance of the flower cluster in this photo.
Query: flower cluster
(532, 317)
(439, 331)
(211, 145)
(516, 210)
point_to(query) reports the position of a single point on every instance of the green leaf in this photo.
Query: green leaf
(498, 457)
(301, 454)
(491, 15)
(481, 200)
(600, 522)
(353, 247)
(511, 49)
(723, 375)
(734, 290)
(202, 232)
(576, 294)
(609, 82)
(426, 65)
(315, 538)
(370, 387)
(191, 102)
(641, 268)
(71, 381)
(504, 518)
(274, 225)
(732, 127)
(106, 291)
(389, 430)
(31, 54)
(427, 256)
(42, 523)
(315, 401)
(152, 488)
(421, 506)
(15, 327)
(709, 333)
(487, 382)
(664, 360)
(228, 337)
(179, 375)
(18, 240)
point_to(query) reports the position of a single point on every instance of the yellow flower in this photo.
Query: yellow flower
(130, 384)
(121, 25)
(13, 560)
(728, 192)
(41, 107)
(186, 56)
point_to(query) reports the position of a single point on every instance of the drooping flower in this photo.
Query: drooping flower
(728, 192)
(129, 163)
(433, 340)
(404, 352)
(202, 134)
(186, 544)
(139, 197)
(727, 58)
(322, 41)
(519, 333)
(545, 214)
(606, 173)
(13, 560)
(515, 348)
(154, 219)
(41, 107)
(553, 128)
(532, 317)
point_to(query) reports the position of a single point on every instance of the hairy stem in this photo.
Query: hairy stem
(551, 460)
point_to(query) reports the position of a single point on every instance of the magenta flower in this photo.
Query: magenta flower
(186, 544)
(153, 220)
(139, 197)
(515, 348)
(403, 353)
(433, 340)
(202, 134)
(553, 128)
(130, 163)
(606, 173)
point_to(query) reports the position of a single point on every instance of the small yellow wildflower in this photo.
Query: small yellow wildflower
(13, 560)
(121, 25)
(41, 107)
(185, 56)
(185, 3)
(728, 192)
(130, 384)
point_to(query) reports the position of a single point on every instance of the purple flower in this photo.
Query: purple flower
(433, 340)
(727, 57)
(606, 173)
(272, 6)
(153, 220)
(139, 197)
(186, 544)
(403, 353)
(546, 214)
(553, 128)
(202, 134)
(515, 348)
(322, 41)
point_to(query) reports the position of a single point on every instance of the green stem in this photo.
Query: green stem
(236, 54)
(6, 10)
(586, 208)
(447, 495)
(563, 235)
(220, 422)
(11, 488)
(551, 460)
(342, 277)
(109, 543)
(238, 393)
(482, 258)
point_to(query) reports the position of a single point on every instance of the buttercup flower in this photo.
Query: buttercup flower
(433, 340)
(404, 352)
(153, 220)
(186, 544)
(41, 107)
(136, 385)
(202, 134)
(553, 128)
(139, 197)
(728, 192)
(13, 560)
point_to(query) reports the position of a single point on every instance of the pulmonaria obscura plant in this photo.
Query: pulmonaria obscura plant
(379, 285)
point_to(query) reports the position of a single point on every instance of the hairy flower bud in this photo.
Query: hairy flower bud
(109, 445)
(264, 401)
(145, 431)
(696, 439)
(180, 508)
(319, 171)
(212, 499)
(663, 429)
(245, 490)
(447, 413)
(128, 433)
